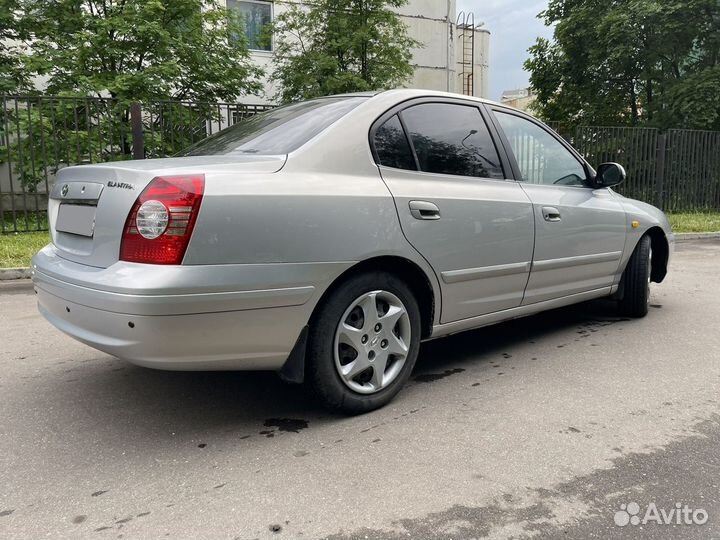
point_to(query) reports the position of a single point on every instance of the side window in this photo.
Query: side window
(541, 157)
(392, 146)
(452, 139)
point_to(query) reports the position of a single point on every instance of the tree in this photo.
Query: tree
(13, 75)
(122, 51)
(649, 62)
(335, 46)
(140, 49)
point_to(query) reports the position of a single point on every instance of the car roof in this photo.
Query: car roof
(402, 94)
(409, 93)
(357, 94)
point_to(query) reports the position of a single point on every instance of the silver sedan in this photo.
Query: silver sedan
(326, 239)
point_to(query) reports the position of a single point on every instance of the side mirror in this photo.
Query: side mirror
(609, 175)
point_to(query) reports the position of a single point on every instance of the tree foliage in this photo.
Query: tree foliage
(650, 62)
(335, 46)
(13, 75)
(118, 51)
(140, 49)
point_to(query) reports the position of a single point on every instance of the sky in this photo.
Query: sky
(514, 26)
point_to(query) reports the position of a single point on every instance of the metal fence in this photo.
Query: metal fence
(677, 170)
(39, 135)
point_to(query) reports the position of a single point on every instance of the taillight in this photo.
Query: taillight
(159, 226)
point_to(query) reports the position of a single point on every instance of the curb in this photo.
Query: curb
(11, 286)
(8, 274)
(685, 237)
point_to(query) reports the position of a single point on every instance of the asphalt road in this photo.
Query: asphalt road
(540, 428)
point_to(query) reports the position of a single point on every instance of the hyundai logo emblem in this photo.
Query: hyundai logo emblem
(64, 190)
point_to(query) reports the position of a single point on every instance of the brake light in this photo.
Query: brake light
(160, 223)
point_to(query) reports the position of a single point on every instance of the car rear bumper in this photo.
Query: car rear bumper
(221, 317)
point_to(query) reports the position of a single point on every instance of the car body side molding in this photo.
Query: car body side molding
(565, 262)
(469, 274)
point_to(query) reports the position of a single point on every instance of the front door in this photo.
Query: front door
(456, 207)
(580, 231)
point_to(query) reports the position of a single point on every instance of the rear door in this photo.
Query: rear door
(580, 231)
(456, 206)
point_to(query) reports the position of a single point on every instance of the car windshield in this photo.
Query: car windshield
(278, 131)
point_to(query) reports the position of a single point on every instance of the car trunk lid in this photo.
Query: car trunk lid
(89, 204)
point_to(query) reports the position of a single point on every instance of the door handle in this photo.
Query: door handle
(551, 214)
(424, 210)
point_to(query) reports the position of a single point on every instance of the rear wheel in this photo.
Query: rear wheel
(364, 343)
(636, 281)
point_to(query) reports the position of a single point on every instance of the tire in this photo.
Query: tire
(636, 281)
(345, 345)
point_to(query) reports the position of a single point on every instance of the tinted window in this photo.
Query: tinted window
(452, 139)
(278, 131)
(542, 159)
(392, 146)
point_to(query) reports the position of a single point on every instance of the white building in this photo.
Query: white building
(520, 98)
(454, 58)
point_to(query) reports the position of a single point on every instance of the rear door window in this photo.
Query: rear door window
(452, 139)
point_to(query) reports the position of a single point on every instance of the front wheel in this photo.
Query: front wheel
(364, 343)
(636, 281)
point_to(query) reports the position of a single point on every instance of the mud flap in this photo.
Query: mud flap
(293, 371)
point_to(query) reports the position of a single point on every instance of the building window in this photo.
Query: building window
(256, 15)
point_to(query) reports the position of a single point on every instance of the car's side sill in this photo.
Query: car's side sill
(446, 329)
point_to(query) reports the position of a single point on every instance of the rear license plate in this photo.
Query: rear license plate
(76, 219)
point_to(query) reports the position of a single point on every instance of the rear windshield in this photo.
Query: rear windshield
(278, 131)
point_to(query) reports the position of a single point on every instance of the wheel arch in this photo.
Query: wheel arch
(660, 250)
(660, 253)
(411, 273)
(405, 269)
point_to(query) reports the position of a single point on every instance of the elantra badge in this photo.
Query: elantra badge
(121, 185)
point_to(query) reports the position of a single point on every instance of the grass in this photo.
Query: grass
(695, 222)
(16, 249)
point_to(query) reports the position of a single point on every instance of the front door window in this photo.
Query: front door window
(542, 159)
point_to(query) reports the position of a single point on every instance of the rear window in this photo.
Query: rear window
(278, 131)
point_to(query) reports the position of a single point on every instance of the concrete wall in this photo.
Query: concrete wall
(432, 22)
